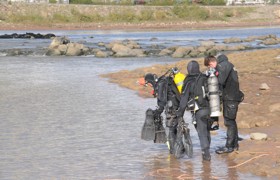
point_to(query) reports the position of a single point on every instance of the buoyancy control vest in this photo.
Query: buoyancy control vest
(179, 81)
(167, 91)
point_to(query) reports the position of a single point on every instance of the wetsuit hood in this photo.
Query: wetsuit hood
(193, 68)
(222, 58)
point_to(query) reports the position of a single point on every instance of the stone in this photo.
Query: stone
(274, 107)
(258, 136)
(264, 86)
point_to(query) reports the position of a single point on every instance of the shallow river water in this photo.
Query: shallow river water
(60, 120)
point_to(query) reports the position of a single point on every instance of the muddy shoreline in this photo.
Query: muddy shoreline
(259, 112)
(177, 26)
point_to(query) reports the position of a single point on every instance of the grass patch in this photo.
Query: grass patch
(191, 12)
(111, 14)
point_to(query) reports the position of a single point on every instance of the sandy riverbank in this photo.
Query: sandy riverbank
(259, 112)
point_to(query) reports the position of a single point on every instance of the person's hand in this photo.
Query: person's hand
(157, 113)
(179, 114)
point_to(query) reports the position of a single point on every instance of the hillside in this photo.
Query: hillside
(58, 16)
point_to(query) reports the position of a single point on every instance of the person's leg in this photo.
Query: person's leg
(232, 133)
(202, 127)
(230, 112)
(171, 124)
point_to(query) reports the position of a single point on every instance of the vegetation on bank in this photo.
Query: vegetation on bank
(146, 2)
(48, 14)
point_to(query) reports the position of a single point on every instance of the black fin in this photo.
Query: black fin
(149, 130)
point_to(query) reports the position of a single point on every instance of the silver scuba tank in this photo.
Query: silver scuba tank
(213, 90)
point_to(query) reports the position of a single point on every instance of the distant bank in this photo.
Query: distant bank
(22, 16)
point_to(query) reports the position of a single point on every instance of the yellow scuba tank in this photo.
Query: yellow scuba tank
(179, 80)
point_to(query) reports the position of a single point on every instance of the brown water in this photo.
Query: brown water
(60, 120)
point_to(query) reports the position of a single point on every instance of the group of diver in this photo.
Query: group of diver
(204, 94)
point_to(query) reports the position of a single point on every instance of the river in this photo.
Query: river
(60, 120)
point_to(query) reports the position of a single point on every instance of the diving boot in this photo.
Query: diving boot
(206, 155)
(223, 150)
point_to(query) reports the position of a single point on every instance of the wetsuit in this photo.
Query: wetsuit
(231, 97)
(201, 116)
(168, 98)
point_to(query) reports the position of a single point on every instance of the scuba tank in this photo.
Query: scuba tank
(213, 92)
(178, 78)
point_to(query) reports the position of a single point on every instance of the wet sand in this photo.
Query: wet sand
(259, 112)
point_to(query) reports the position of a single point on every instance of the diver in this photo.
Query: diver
(194, 98)
(231, 98)
(167, 91)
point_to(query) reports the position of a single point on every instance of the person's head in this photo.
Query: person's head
(151, 78)
(193, 68)
(210, 61)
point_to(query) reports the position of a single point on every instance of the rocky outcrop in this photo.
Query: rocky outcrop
(131, 48)
(27, 36)
(63, 46)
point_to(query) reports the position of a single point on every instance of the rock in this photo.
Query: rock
(274, 107)
(232, 40)
(113, 43)
(181, 52)
(53, 52)
(63, 46)
(220, 47)
(75, 49)
(165, 52)
(27, 36)
(270, 41)
(236, 48)
(101, 44)
(258, 136)
(58, 41)
(202, 49)
(193, 54)
(207, 44)
(264, 86)
(212, 52)
(101, 54)
(132, 44)
(124, 51)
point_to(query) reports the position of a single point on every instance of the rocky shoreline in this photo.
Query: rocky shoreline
(131, 48)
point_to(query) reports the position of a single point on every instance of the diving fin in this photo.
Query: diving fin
(148, 132)
(187, 142)
(183, 144)
(160, 136)
(179, 146)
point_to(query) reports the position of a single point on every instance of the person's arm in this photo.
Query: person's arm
(184, 101)
(223, 70)
(162, 97)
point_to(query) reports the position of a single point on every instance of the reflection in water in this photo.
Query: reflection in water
(168, 167)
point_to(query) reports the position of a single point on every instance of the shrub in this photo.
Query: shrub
(191, 12)
(146, 15)
(80, 1)
(214, 2)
